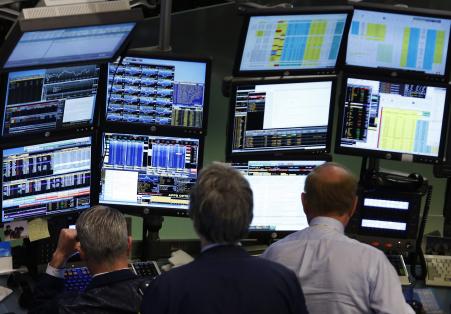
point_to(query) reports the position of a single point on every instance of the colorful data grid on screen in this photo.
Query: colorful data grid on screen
(393, 117)
(46, 179)
(397, 41)
(50, 99)
(286, 116)
(277, 186)
(292, 42)
(152, 171)
(69, 45)
(157, 91)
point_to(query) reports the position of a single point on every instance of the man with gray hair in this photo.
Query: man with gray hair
(103, 243)
(224, 278)
(338, 274)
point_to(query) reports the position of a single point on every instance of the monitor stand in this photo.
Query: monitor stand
(151, 227)
(447, 210)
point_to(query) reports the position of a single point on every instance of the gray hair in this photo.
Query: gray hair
(221, 204)
(102, 232)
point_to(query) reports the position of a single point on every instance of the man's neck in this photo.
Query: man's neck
(344, 219)
(100, 268)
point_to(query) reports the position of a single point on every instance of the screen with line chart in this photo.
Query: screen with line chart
(50, 99)
(282, 116)
(154, 91)
(398, 41)
(392, 117)
(148, 171)
(46, 179)
(292, 42)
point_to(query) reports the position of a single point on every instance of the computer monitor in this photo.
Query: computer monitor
(392, 119)
(46, 179)
(281, 116)
(397, 40)
(277, 187)
(50, 99)
(298, 41)
(98, 37)
(154, 93)
(155, 172)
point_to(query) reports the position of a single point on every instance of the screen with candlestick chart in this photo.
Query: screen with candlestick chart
(149, 171)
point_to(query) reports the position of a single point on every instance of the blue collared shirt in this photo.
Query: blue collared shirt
(339, 274)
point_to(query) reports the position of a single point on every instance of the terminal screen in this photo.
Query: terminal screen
(149, 171)
(46, 179)
(398, 41)
(393, 117)
(277, 187)
(157, 92)
(292, 42)
(287, 116)
(75, 44)
(50, 99)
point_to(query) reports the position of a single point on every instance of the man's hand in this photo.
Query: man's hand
(67, 246)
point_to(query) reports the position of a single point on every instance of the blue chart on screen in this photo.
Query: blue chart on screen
(398, 41)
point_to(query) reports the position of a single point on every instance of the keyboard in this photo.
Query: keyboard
(398, 263)
(76, 279)
(438, 270)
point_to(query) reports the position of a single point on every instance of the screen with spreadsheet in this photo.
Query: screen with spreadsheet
(152, 91)
(282, 116)
(50, 99)
(277, 187)
(292, 42)
(46, 179)
(398, 41)
(148, 171)
(72, 44)
(391, 117)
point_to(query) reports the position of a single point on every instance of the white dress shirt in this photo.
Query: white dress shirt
(339, 274)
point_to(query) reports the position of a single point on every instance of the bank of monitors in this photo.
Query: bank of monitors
(98, 37)
(392, 119)
(50, 100)
(281, 116)
(277, 187)
(158, 93)
(393, 39)
(297, 41)
(45, 179)
(157, 172)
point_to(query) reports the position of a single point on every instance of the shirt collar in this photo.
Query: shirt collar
(213, 245)
(328, 222)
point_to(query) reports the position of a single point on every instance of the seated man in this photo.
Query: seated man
(224, 278)
(338, 274)
(105, 246)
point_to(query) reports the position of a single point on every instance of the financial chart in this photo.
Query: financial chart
(388, 40)
(292, 42)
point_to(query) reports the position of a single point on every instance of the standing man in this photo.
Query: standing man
(224, 279)
(338, 274)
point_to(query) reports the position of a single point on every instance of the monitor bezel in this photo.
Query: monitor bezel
(394, 72)
(279, 153)
(326, 10)
(22, 26)
(134, 210)
(372, 153)
(29, 142)
(155, 129)
(46, 133)
(269, 235)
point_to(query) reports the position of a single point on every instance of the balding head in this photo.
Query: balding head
(330, 190)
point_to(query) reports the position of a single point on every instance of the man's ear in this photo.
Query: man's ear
(82, 253)
(305, 203)
(354, 207)
(129, 245)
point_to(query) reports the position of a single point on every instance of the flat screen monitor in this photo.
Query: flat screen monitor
(392, 119)
(64, 40)
(51, 99)
(399, 41)
(296, 42)
(155, 92)
(156, 172)
(281, 116)
(277, 187)
(46, 179)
